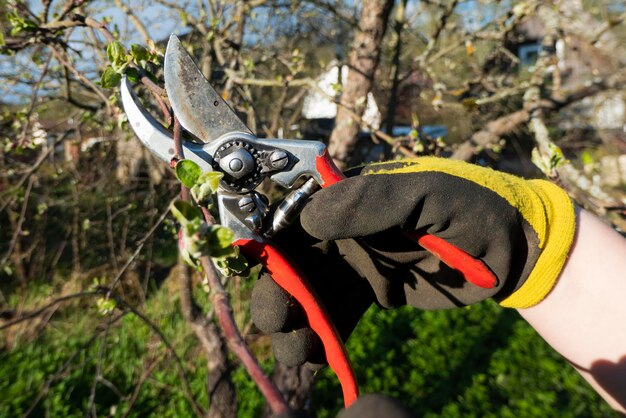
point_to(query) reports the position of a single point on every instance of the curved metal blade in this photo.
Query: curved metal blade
(198, 107)
(153, 135)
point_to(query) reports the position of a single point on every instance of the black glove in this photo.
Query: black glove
(522, 230)
(367, 406)
(342, 291)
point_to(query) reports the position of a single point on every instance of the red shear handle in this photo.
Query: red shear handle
(472, 269)
(287, 276)
(329, 172)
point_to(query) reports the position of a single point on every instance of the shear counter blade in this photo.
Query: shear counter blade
(149, 131)
(198, 107)
(154, 136)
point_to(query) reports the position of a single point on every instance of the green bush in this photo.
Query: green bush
(128, 349)
(482, 361)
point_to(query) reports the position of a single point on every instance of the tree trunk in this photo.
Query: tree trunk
(395, 67)
(220, 388)
(364, 59)
(295, 384)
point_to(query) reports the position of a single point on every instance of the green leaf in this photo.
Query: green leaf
(249, 64)
(117, 56)
(188, 172)
(6, 268)
(337, 88)
(202, 194)
(206, 185)
(20, 23)
(139, 53)
(105, 306)
(187, 258)
(212, 178)
(185, 212)
(233, 265)
(110, 78)
(133, 75)
(42, 208)
(184, 18)
(587, 158)
(548, 163)
(220, 238)
(116, 53)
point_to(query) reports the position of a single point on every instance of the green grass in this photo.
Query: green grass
(128, 349)
(482, 361)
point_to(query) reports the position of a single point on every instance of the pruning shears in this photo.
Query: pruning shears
(228, 146)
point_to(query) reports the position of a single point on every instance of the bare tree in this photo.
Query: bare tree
(503, 78)
(363, 62)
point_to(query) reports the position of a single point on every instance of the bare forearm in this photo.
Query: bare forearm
(584, 316)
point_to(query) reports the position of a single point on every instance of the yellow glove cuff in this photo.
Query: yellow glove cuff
(559, 212)
(545, 206)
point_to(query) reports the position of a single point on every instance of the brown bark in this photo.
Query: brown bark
(495, 129)
(295, 384)
(395, 67)
(491, 134)
(364, 59)
(220, 389)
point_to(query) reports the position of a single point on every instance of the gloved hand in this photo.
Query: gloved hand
(276, 312)
(367, 406)
(521, 229)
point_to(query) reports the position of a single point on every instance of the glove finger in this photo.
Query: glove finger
(344, 294)
(375, 405)
(271, 307)
(294, 348)
(360, 206)
(291, 414)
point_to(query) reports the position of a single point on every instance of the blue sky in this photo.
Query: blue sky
(160, 22)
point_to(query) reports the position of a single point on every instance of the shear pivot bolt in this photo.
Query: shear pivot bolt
(238, 163)
(279, 159)
(247, 204)
(235, 164)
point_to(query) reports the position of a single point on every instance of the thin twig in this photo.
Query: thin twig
(140, 245)
(179, 363)
(144, 376)
(35, 167)
(91, 405)
(224, 312)
(42, 309)
(18, 228)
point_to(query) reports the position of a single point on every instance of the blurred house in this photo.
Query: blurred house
(320, 109)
